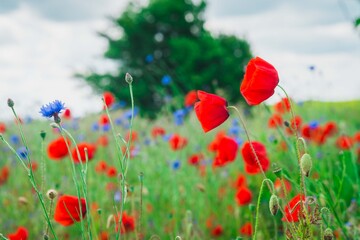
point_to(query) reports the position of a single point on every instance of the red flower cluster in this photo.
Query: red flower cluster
(246, 229)
(67, 210)
(275, 121)
(319, 134)
(177, 142)
(344, 142)
(217, 231)
(21, 234)
(282, 106)
(259, 81)
(91, 150)
(225, 148)
(57, 149)
(243, 194)
(157, 131)
(251, 165)
(127, 223)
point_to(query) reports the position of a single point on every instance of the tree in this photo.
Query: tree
(167, 50)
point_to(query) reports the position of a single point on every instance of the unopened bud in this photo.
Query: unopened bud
(287, 124)
(278, 172)
(274, 204)
(328, 234)
(42, 134)
(10, 102)
(128, 78)
(51, 194)
(306, 164)
(46, 237)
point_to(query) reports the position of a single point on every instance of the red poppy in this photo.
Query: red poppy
(104, 120)
(306, 131)
(190, 98)
(282, 106)
(295, 123)
(91, 149)
(217, 231)
(111, 172)
(67, 210)
(103, 141)
(34, 165)
(67, 114)
(157, 131)
(210, 110)
(226, 151)
(177, 142)
(4, 175)
(213, 146)
(101, 166)
(330, 129)
(134, 136)
(57, 148)
(2, 127)
(20, 234)
(292, 209)
(344, 142)
(104, 236)
(357, 137)
(251, 166)
(195, 159)
(243, 196)
(246, 229)
(275, 120)
(278, 185)
(109, 99)
(128, 223)
(259, 81)
(240, 181)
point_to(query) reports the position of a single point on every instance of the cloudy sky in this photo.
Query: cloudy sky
(43, 43)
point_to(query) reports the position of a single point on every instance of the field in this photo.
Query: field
(176, 189)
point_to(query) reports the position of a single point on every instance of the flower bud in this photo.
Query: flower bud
(328, 234)
(51, 194)
(10, 102)
(42, 134)
(128, 78)
(306, 164)
(274, 204)
(286, 123)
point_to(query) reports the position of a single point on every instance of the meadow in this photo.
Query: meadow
(172, 185)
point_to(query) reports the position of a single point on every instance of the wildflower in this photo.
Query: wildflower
(243, 196)
(344, 142)
(282, 106)
(251, 165)
(128, 223)
(292, 209)
(104, 120)
(157, 131)
(166, 80)
(278, 185)
(52, 109)
(259, 81)
(103, 140)
(101, 166)
(2, 127)
(226, 151)
(57, 148)
(4, 174)
(91, 149)
(134, 136)
(295, 123)
(67, 114)
(195, 159)
(275, 121)
(149, 58)
(190, 98)
(111, 172)
(21, 234)
(211, 110)
(177, 142)
(109, 99)
(22, 152)
(246, 229)
(217, 231)
(67, 210)
(179, 117)
(240, 181)
(176, 165)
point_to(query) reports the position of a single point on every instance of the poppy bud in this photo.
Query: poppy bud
(42, 134)
(278, 172)
(328, 234)
(306, 164)
(46, 237)
(10, 102)
(274, 204)
(51, 194)
(287, 124)
(128, 78)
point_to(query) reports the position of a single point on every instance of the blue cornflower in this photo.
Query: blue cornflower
(149, 58)
(106, 127)
(166, 137)
(311, 67)
(52, 109)
(15, 139)
(166, 80)
(117, 196)
(313, 124)
(95, 127)
(179, 117)
(118, 121)
(128, 113)
(22, 152)
(176, 165)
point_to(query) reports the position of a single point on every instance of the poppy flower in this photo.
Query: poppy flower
(127, 221)
(259, 81)
(251, 166)
(104, 120)
(246, 229)
(111, 172)
(67, 210)
(243, 196)
(282, 106)
(240, 181)
(103, 141)
(357, 137)
(177, 142)
(20, 234)
(91, 149)
(213, 146)
(109, 99)
(4, 175)
(226, 151)
(190, 98)
(134, 136)
(344, 142)
(295, 123)
(210, 110)
(104, 236)
(275, 120)
(2, 127)
(330, 129)
(195, 159)
(157, 131)
(67, 114)
(217, 231)
(278, 185)
(101, 166)
(57, 149)
(292, 209)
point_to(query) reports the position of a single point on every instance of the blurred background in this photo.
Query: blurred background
(73, 50)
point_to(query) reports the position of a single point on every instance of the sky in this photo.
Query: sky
(43, 43)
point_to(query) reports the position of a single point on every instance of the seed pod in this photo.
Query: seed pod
(51, 194)
(306, 164)
(10, 102)
(328, 234)
(128, 78)
(274, 204)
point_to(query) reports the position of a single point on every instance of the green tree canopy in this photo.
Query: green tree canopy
(167, 50)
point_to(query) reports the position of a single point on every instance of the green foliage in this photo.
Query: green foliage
(168, 38)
